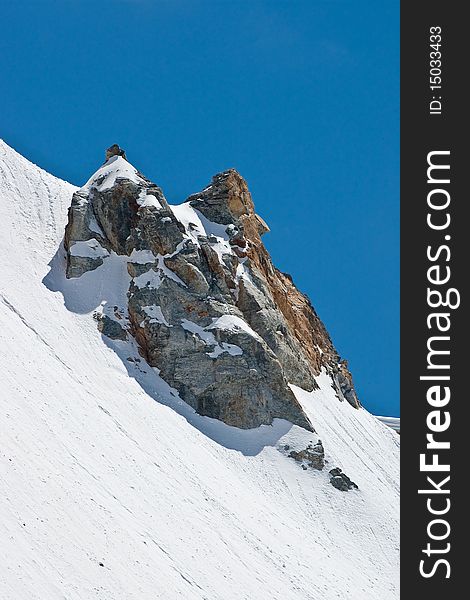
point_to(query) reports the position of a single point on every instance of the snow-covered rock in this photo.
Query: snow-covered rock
(203, 262)
(112, 487)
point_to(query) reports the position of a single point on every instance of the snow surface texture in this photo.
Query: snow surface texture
(114, 168)
(113, 488)
(393, 422)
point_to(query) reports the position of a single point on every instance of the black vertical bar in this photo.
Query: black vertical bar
(426, 128)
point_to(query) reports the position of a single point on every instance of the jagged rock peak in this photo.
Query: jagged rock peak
(114, 150)
(204, 303)
(227, 200)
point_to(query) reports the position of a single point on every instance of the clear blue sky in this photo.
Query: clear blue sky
(302, 97)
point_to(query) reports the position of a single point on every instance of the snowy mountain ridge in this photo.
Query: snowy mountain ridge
(113, 487)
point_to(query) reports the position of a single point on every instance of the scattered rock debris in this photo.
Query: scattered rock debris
(313, 455)
(341, 481)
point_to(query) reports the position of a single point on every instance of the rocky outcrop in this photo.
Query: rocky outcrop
(114, 150)
(205, 303)
(312, 456)
(269, 300)
(341, 481)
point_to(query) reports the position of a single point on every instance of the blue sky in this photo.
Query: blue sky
(301, 97)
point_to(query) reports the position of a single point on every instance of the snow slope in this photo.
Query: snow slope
(393, 422)
(112, 488)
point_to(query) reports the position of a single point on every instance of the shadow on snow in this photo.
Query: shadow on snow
(108, 286)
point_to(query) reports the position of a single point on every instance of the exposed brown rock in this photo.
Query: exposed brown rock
(228, 200)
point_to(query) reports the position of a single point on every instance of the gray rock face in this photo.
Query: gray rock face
(114, 150)
(204, 302)
(343, 383)
(341, 481)
(111, 328)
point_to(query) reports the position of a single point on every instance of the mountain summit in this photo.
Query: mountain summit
(115, 483)
(204, 302)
